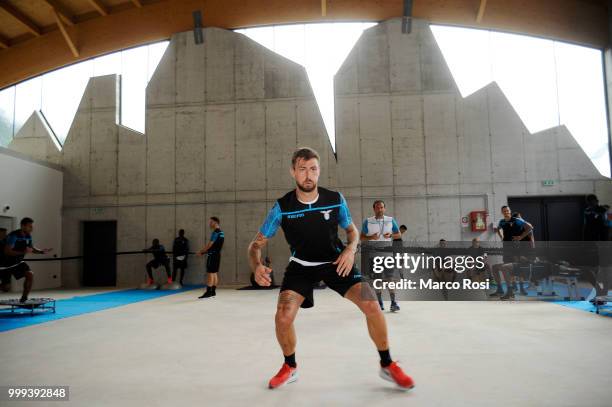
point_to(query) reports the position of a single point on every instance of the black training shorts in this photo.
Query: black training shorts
(157, 263)
(18, 271)
(302, 279)
(179, 264)
(213, 262)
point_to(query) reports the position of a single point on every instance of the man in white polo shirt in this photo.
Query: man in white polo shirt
(381, 228)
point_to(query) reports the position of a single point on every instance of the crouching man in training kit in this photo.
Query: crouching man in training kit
(309, 216)
(159, 259)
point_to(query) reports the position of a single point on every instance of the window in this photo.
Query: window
(321, 49)
(549, 83)
(58, 93)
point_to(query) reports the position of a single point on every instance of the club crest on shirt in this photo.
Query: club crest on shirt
(326, 214)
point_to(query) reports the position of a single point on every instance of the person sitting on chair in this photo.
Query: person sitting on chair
(443, 274)
(475, 273)
(159, 259)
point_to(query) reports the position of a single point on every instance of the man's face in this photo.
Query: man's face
(507, 213)
(306, 174)
(475, 243)
(379, 209)
(212, 224)
(27, 228)
(2, 234)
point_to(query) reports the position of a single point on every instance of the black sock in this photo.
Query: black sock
(385, 358)
(290, 360)
(213, 288)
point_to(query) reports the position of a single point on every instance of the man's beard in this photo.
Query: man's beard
(306, 189)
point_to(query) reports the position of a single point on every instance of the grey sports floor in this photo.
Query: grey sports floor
(180, 351)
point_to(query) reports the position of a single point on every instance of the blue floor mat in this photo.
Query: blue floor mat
(586, 306)
(85, 304)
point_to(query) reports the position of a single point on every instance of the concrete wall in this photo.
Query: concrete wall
(222, 119)
(406, 135)
(34, 189)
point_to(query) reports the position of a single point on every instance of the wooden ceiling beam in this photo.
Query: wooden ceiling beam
(100, 8)
(137, 3)
(577, 21)
(3, 42)
(481, 11)
(65, 15)
(65, 34)
(20, 17)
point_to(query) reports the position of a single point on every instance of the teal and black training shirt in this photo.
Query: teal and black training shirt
(311, 229)
(217, 237)
(18, 241)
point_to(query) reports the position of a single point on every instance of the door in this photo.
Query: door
(565, 219)
(99, 258)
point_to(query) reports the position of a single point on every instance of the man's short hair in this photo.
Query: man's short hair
(504, 207)
(377, 202)
(403, 227)
(3, 230)
(26, 221)
(181, 232)
(305, 153)
(215, 219)
(155, 241)
(591, 197)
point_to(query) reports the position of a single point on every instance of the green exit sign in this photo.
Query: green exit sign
(548, 182)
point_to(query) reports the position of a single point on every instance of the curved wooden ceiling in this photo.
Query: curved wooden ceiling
(37, 36)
